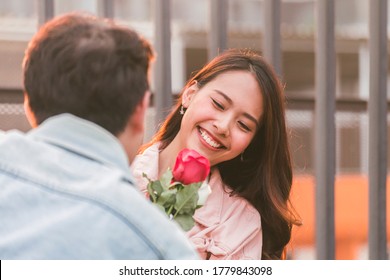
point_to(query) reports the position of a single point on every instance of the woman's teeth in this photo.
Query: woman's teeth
(208, 140)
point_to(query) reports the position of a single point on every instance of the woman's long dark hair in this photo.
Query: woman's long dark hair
(264, 176)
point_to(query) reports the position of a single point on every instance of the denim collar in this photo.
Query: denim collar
(84, 138)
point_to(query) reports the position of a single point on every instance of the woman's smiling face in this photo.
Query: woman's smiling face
(222, 117)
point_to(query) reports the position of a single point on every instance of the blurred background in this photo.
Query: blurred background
(189, 23)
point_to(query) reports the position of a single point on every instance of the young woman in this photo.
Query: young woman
(232, 112)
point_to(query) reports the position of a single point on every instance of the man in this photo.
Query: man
(66, 190)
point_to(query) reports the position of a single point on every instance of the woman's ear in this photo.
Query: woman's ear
(189, 93)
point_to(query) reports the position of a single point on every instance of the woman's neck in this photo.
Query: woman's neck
(167, 158)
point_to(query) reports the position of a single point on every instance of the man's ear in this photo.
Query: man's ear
(189, 93)
(29, 113)
(137, 120)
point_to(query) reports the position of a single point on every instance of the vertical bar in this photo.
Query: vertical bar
(45, 11)
(271, 44)
(325, 129)
(377, 114)
(106, 8)
(218, 27)
(163, 85)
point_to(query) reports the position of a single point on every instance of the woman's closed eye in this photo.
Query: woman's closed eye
(221, 107)
(243, 126)
(217, 104)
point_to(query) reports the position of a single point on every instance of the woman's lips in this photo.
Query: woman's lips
(210, 140)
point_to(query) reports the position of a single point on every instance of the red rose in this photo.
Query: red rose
(190, 167)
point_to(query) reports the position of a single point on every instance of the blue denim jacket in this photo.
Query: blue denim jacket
(66, 192)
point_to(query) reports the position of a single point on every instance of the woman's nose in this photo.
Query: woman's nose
(222, 126)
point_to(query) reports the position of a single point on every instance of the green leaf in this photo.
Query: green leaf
(186, 200)
(154, 189)
(185, 221)
(166, 179)
(167, 198)
(151, 192)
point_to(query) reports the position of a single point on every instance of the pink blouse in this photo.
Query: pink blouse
(226, 227)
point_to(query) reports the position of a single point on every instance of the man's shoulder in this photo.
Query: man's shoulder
(144, 221)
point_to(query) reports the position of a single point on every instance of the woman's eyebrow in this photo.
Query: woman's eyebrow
(250, 117)
(230, 101)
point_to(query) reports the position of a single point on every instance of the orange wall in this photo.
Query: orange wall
(351, 214)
